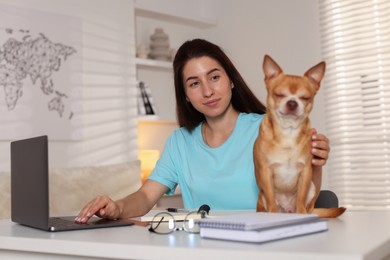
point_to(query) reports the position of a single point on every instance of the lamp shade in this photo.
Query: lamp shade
(148, 160)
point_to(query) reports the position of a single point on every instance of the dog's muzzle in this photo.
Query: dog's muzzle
(291, 105)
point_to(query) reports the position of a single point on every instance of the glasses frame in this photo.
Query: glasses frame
(203, 211)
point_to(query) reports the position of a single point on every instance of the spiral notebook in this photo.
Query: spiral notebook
(181, 214)
(261, 226)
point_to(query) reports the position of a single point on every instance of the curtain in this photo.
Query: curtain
(355, 38)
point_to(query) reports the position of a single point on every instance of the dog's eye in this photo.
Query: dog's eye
(279, 95)
(305, 98)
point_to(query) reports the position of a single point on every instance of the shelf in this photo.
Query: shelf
(153, 63)
(150, 12)
(148, 118)
(189, 14)
(155, 120)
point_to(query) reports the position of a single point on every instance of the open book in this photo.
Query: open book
(261, 226)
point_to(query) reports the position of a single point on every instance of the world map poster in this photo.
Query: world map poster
(39, 61)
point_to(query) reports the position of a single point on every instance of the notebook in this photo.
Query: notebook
(182, 213)
(261, 226)
(30, 190)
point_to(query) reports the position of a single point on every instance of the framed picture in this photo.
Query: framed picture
(38, 64)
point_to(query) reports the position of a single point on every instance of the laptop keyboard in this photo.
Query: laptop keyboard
(61, 223)
(67, 223)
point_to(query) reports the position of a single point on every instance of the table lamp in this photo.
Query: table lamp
(148, 160)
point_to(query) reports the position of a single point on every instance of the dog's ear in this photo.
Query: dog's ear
(316, 73)
(271, 68)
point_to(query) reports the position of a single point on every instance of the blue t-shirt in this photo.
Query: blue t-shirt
(221, 177)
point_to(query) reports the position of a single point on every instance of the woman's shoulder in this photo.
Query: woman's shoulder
(251, 117)
(182, 133)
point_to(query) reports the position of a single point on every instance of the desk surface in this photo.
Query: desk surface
(354, 235)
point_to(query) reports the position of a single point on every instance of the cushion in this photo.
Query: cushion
(71, 188)
(5, 195)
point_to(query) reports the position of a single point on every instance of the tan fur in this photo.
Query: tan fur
(282, 151)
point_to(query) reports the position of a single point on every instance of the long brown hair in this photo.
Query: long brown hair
(243, 99)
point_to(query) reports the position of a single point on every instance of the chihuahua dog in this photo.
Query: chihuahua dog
(282, 151)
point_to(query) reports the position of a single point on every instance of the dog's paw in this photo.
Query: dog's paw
(301, 210)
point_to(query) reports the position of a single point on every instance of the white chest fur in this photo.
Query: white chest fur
(287, 163)
(287, 167)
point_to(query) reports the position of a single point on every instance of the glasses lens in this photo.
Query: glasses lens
(163, 223)
(190, 222)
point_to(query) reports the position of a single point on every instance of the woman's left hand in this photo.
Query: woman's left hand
(320, 148)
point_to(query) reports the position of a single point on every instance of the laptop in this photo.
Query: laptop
(30, 190)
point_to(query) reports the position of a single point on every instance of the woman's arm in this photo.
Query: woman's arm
(135, 204)
(142, 201)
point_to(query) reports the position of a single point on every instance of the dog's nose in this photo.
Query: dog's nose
(292, 105)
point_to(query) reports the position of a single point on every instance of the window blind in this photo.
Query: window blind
(355, 39)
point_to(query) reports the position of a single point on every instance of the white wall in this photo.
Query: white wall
(108, 83)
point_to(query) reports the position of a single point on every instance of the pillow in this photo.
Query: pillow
(5, 195)
(71, 188)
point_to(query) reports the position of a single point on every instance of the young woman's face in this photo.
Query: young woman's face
(207, 86)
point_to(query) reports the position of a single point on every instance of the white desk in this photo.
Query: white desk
(355, 235)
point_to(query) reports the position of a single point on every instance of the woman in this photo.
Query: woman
(211, 155)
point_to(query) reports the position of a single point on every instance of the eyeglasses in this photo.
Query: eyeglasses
(165, 223)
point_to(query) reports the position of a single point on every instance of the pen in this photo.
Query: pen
(176, 210)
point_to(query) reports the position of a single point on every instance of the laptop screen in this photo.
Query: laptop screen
(29, 182)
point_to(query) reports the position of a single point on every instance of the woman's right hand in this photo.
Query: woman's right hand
(101, 206)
